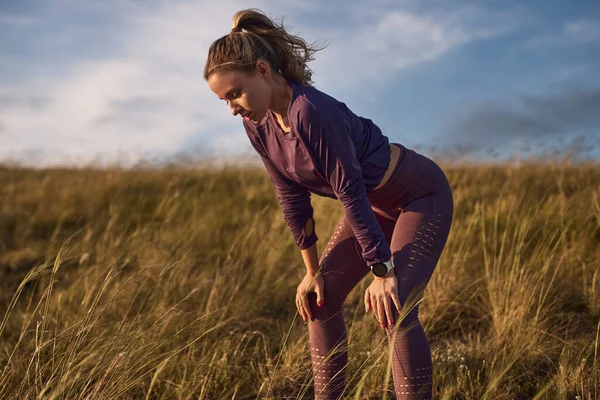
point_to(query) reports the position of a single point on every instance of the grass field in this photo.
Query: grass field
(179, 284)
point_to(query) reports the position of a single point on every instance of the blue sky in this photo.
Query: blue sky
(121, 80)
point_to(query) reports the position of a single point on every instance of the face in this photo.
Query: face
(247, 95)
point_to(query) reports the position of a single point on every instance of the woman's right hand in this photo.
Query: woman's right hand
(310, 283)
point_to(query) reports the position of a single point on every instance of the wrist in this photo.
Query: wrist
(311, 273)
(311, 260)
(383, 269)
(390, 274)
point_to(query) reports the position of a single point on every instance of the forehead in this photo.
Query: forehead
(223, 82)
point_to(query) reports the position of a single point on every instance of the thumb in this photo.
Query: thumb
(320, 294)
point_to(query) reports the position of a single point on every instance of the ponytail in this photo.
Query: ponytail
(255, 36)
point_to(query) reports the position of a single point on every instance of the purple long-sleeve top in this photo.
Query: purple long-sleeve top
(331, 152)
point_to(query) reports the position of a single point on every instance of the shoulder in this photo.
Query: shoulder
(311, 106)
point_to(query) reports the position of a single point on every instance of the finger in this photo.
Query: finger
(381, 312)
(307, 312)
(374, 305)
(367, 300)
(320, 296)
(306, 307)
(387, 304)
(300, 309)
(396, 301)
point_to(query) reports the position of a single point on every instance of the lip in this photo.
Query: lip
(247, 116)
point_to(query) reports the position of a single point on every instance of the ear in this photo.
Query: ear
(264, 70)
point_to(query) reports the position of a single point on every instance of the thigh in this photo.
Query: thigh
(341, 262)
(418, 238)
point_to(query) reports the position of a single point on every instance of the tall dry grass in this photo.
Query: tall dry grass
(179, 284)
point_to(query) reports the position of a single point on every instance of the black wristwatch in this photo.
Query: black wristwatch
(381, 269)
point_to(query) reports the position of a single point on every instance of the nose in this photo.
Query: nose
(235, 109)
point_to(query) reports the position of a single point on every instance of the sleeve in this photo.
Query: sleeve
(333, 147)
(295, 205)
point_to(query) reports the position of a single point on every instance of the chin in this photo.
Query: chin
(258, 117)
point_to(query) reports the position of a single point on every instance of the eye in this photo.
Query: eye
(232, 96)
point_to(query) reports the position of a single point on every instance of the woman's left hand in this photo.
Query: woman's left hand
(381, 296)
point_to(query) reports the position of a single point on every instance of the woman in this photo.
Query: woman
(397, 203)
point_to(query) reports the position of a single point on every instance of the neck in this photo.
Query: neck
(282, 96)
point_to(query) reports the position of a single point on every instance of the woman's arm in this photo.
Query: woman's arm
(329, 139)
(295, 205)
(309, 255)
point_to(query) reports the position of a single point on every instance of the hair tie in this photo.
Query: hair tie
(236, 29)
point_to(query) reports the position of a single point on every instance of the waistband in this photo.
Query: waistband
(399, 164)
(402, 186)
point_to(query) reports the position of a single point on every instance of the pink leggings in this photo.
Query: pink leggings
(414, 209)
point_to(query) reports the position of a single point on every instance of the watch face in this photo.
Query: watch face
(379, 269)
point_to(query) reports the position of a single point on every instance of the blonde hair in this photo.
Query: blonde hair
(255, 36)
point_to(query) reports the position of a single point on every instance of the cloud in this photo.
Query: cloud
(384, 41)
(124, 79)
(18, 21)
(137, 112)
(576, 108)
(583, 31)
(24, 101)
(530, 118)
(144, 101)
(577, 32)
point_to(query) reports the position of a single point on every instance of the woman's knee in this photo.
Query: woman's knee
(408, 318)
(331, 306)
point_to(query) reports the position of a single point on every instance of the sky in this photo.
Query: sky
(120, 81)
